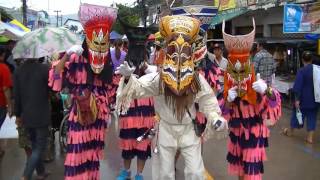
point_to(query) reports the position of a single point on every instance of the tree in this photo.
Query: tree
(5, 17)
(128, 15)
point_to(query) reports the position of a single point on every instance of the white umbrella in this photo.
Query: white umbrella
(45, 42)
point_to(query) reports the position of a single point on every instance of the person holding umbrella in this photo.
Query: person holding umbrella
(32, 109)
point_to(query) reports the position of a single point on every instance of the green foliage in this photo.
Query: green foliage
(5, 16)
(128, 15)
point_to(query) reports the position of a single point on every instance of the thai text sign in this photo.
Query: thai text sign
(300, 18)
(203, 13)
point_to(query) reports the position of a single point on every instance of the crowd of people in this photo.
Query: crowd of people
(170, 99)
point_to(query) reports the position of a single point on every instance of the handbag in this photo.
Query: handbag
(299, 116)
(86, 108)
(198, 127)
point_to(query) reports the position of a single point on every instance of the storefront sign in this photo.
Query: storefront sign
(299, 18)
(203, 13)
(225, 4)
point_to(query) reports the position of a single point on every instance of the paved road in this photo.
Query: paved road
(289, 158)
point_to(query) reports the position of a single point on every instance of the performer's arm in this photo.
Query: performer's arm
(72, 55)
(208, 105)
(134, 88)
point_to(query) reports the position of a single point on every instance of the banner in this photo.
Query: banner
(203, 13)
(225, 4)
(316, 82)
(301, 18)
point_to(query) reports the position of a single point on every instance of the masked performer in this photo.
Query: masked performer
(176, 89)
(251, 106)
(139, 120)
(88, 76)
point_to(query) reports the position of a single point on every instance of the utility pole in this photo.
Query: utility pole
(61, 18)
(57, 11)
(24, 12)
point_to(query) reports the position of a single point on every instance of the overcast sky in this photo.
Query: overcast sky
(66, 6)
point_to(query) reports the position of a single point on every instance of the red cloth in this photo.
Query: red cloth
(5, 81)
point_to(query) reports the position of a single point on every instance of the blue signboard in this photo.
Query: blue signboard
(203, 13)
(301, 18)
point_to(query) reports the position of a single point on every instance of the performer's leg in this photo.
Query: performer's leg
(127, 164)
(125, 173)
(167, 155)
(194, 168)
(140, 165)
(167, 150)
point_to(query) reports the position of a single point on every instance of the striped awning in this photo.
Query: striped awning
(226, 15)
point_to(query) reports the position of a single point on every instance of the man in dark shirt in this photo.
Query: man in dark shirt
(31, 94)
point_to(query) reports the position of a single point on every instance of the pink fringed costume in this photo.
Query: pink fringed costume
(249, 114)
(91, 72)
(137, 121)
(140, 116)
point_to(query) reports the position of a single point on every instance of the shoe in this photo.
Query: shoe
(123, 175)
(43, 176)
(138, 177)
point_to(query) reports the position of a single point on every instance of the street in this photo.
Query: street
(289, 158)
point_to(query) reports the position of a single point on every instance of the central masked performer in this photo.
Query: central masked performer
(250, 107)
(176, 90)
(88, 76)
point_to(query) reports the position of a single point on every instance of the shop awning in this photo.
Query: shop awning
(11, 32)
(226, 15)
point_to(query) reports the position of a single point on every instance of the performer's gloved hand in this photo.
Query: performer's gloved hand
(75, 49)
(220, 124)
(232, 94)
(259, 86)
(150, 69)
(125, 70)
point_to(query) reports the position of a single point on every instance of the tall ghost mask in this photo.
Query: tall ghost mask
(240, 71)
(97, 22)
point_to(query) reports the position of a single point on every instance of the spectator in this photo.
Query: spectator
(117, 54)
(9, 57)
(304, 99)
(159, 54)
(264, 63)
(5, 92)
(125, 45)
(253, 52)
(218, 59)
(31, 96)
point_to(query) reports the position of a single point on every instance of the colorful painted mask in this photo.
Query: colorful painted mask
(200, 47)
(240, 72)
(97, 22)
(180, 33)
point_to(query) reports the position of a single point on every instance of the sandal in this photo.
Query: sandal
(308, 141)
(43, 176)
(286, 132)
